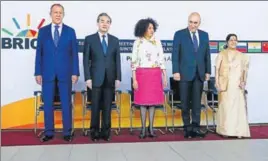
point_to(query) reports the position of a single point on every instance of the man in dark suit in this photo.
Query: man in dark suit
(191, 65)
(102, 68)
(56, 64)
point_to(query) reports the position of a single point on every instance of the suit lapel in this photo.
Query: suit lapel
(189, 38)
(109, 44)
(201, 40)
(98, 41)
(62, 35)
(49, 33)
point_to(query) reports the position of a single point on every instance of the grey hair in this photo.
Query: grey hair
(104, 14)
(58, 5)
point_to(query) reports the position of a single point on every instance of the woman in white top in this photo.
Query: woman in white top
(148, 72)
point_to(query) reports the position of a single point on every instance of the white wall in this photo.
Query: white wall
(247, 19)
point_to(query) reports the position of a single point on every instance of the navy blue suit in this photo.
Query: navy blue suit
(192, 66)
(56, 64)
(103, 69)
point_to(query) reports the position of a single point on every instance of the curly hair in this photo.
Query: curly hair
(142, 26)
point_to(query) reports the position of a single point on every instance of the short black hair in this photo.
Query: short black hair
(142, 26)
(228, 37)
(103, 14)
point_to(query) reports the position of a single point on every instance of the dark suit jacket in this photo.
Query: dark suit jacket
(185, 60)
(60, 61)
(96, 64)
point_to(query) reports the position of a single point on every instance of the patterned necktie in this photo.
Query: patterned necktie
(56, 35)
(195, 42)
(104, 44)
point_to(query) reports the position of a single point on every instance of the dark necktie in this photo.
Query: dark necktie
(195, 42)
(104, 44)
(56, 35)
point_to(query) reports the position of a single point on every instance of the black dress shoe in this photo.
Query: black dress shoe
(68, 138)
(94, 136)
(187, 134)
(46, 138)
(151, 134)
(142, 135)
(198, 133)
(106, 135)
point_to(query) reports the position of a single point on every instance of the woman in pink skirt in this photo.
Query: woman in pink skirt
(148, 72)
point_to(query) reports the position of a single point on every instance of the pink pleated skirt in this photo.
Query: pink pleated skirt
(150, 87)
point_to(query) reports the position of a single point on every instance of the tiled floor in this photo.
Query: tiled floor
(225, 150)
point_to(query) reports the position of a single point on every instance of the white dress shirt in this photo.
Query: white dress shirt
(53, 29)
(197, 36)
(106, 37)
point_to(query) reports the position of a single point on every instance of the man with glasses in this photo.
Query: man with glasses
(191, 65)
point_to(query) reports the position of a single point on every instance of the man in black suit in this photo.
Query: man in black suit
(191, 66)
(102, 68)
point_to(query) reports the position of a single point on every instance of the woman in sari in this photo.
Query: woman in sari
(231, 78)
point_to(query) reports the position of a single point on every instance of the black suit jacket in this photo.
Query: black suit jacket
(96, 64)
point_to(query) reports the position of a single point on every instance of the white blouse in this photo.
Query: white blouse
(147, 54)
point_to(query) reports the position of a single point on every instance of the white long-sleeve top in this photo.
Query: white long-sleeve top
(147, 54)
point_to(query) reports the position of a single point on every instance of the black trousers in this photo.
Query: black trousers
(191, 92)
(102, 98)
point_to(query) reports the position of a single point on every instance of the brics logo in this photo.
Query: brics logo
(24, 38)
